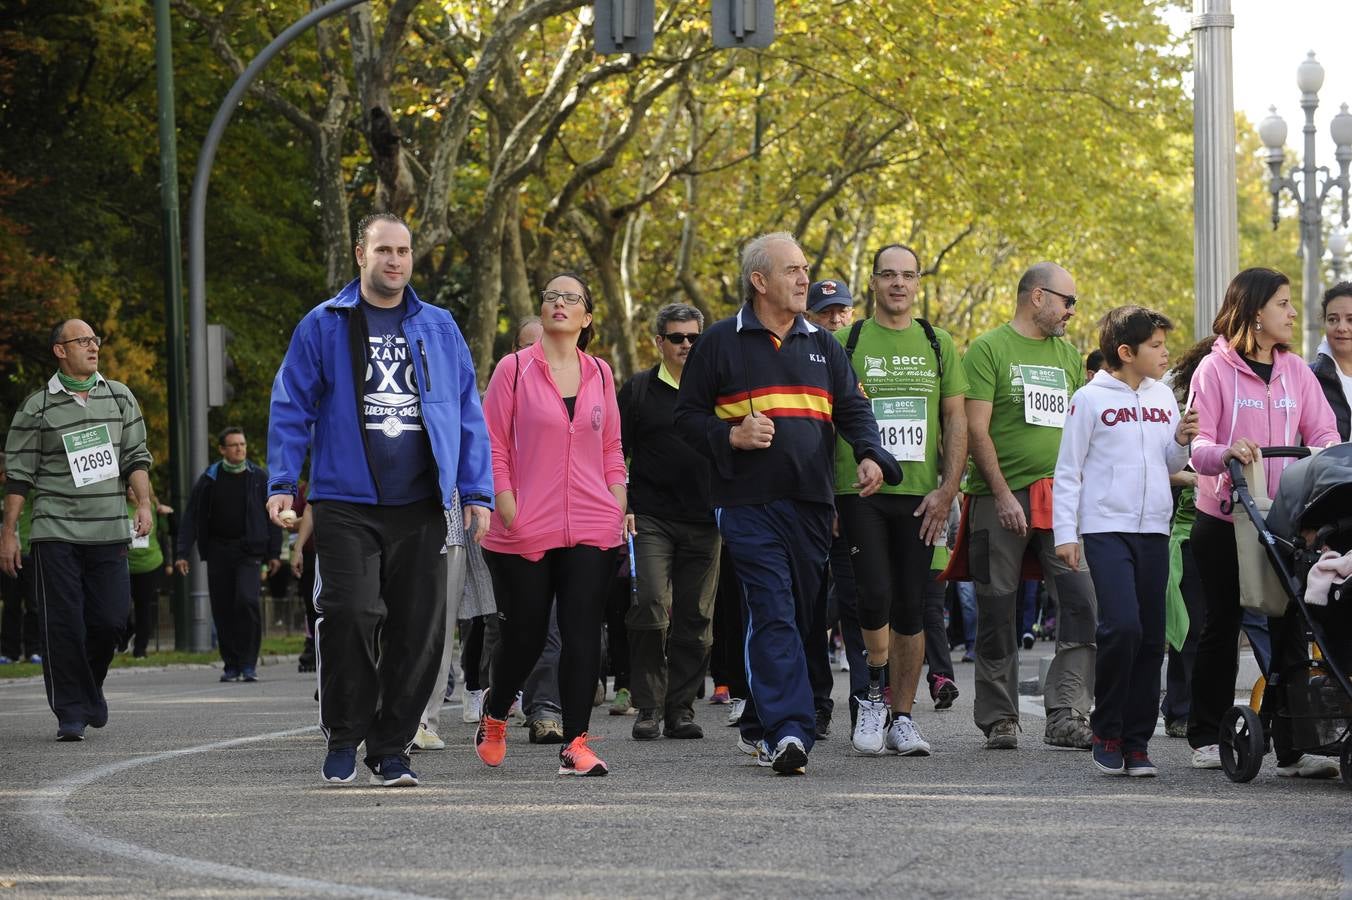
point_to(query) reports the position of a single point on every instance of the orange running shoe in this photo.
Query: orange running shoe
(490, 742)
(721, 695)
(578, 759)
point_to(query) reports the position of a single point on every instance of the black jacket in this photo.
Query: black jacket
(261, 537)
(1326, 370)
(805, 384)
(668, 479)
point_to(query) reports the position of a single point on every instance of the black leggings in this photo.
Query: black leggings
(891, 561)
(579, 579)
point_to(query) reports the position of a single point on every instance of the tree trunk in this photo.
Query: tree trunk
(486, 292)
(518, 294)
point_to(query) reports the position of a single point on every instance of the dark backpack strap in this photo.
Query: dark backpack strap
(934, 343)
(853, 340)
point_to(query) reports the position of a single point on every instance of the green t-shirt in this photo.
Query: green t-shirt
(898, 373)
(997, 364)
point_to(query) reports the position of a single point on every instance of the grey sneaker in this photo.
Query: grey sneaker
(904, 739)
(870, 728)
(757, 750)
(735, 709)
(1069, 731)
(1004, 735)
(790, 757)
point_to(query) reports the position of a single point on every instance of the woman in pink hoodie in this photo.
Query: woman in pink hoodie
(559, 480)
(1249, 392)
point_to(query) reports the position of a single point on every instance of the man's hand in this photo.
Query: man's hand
(1010, 514)
(297, 562)
(11, 561)
(870, 477)
(278, 504)
(181, 566)
(935, 508)
(273, 566)
(1070, 555)
(476, 522)
(1187, 428)
(144, 519)
(755, 432)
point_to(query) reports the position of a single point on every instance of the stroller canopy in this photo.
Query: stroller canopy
(1313, 492)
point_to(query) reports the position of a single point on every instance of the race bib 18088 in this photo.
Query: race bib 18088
(1046, 395)
(903, 423)
(91, 455)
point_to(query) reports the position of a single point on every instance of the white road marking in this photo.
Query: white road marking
(49, 814)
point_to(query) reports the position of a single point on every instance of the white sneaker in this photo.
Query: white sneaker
(1310, 766)
(1208, 757)
(516, 712)
(758, 750)
(870, 727)
(904, 739)
(474, 707)
(735, 709)
(428, 740)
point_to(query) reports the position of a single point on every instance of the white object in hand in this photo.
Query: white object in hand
(288, 517)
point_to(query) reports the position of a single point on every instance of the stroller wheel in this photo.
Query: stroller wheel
(1242, 744)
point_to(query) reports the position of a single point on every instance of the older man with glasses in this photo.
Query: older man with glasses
(73, 447)
(676, 541)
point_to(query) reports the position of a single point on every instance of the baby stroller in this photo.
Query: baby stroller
(1308, 693)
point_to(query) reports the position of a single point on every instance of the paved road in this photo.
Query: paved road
(197, 788)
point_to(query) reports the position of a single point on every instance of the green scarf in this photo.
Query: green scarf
(75, 384)
(234, 468)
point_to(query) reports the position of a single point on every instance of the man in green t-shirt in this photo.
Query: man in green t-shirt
(911, 374)
(1021, 378)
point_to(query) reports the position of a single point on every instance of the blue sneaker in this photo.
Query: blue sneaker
(230, 675)
(69, 732)
(1108, 756)
(5, 660)
(392, 771)
(1139, 764)
(248, 673)
(340, 766)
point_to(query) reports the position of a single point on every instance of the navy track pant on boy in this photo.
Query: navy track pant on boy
(1130, 572)
(780, 550)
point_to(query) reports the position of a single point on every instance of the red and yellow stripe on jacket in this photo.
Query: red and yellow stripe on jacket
(776, 401)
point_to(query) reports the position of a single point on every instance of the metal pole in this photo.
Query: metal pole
(197, 286)
(1311, 235)
(173, 298)
(1216, 216)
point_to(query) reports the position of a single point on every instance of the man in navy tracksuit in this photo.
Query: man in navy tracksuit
(764, 394)
(380, 388)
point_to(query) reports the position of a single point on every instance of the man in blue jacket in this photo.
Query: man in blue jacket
(227, 519)
(379, 387)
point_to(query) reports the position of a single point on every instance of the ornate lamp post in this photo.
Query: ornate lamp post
(1311, 189)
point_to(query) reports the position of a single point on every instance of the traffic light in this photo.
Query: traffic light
(219, 366)
(623, 26)
(743, 23)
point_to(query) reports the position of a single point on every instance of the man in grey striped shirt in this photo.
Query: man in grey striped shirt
(73, 447)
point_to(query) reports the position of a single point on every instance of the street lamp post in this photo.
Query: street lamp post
(1308, 192)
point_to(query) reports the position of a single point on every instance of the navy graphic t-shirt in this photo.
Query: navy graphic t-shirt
(401, 453)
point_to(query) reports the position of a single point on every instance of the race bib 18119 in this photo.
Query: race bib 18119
(903, 425)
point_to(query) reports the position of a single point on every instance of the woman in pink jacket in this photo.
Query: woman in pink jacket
(559, 480)
(1249, 392)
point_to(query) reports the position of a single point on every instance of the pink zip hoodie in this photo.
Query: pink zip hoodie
(559, 470)
(1233, 402)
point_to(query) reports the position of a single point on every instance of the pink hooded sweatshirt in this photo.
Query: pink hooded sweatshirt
(559, 470)
(1233, 402)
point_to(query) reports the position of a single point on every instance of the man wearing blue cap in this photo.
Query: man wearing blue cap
(829, 305)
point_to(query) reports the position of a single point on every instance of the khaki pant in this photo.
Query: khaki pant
(995, 559)
(671, 624)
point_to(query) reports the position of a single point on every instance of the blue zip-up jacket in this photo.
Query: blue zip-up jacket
(317, 405)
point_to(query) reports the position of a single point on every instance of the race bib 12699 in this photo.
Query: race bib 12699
(91, 455)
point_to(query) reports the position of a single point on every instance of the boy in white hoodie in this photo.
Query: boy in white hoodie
(1123, 437)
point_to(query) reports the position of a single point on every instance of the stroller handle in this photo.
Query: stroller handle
(1236, 468)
